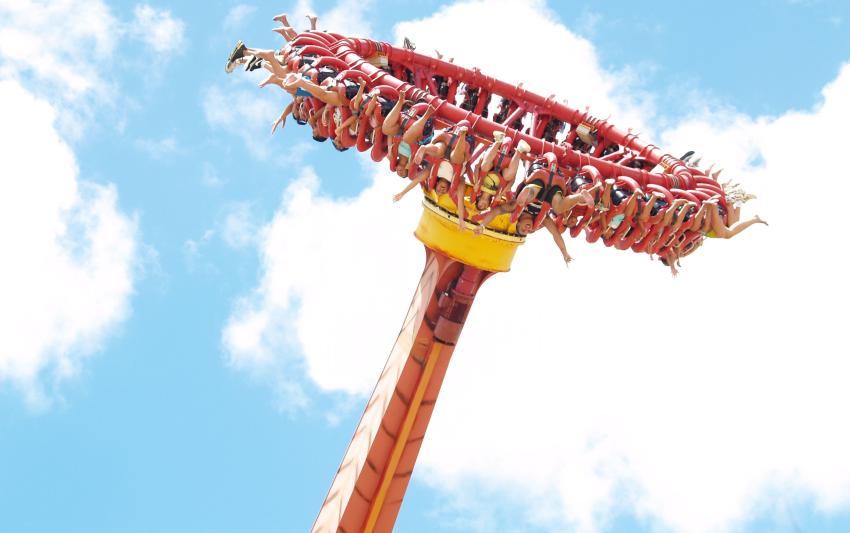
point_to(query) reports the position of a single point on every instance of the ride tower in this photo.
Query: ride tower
(368, 489)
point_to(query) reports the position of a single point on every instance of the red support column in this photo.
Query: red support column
(368, 489)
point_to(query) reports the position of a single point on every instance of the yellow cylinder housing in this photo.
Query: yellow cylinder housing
(492, 250)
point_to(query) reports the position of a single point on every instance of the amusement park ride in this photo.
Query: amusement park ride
(367, 491)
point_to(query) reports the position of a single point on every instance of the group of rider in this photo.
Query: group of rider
(478, 186)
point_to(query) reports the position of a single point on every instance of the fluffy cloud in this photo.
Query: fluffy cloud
(311, 239)
(237, 15)
(695, 403)
(350, 17)
(158, 29)
(69, 252)
(64, 55)
(67, 275)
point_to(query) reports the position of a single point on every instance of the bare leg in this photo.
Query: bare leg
(509, 173)
(528, 194)
(358, 98)
(702, 222)
(286, 32)
(491, 214)
(680, 219)
(733, 215)
(461, 149)
(724, 232)
(561, 205)
(417, 129)
(326, 96)
(486, 163)
(271, 63)
(272, 79)
(435, 149)
(392, 124)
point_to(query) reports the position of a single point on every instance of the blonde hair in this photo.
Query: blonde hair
(736, 195)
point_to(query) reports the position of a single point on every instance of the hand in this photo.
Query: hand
(567, 259)
(281, 121)
(397, 197)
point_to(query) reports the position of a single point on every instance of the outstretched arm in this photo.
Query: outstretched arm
(492, 213)
(413, 183)
(328, 96)
(281, 120)
(549, 224)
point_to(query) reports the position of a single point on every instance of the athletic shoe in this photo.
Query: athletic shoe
(237, 54)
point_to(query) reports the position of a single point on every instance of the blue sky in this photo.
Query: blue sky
(149, 404)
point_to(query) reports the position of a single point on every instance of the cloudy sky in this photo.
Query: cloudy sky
(193, 312)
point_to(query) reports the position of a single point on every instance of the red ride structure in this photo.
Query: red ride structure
(368, 488)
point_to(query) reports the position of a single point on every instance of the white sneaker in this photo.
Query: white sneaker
(523, 147)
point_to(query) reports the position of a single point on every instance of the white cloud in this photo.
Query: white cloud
(158, 148)
(158, 29)
(241, 111)
(70, 255)
(239, 228)
(70, 61)
(237, 15)
(349, 17)
(61, 61)
(325, 236)
(693, 403)
(67, 269)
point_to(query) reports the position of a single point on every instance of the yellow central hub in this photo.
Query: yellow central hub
(492, 250)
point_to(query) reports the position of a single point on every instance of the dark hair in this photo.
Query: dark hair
(319, 138)
(339, 148)
(299, 121)
(664, 261)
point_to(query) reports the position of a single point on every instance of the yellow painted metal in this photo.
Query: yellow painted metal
(401, 439)
(492, 250)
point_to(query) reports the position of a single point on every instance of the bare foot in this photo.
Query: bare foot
(312, 19)
(271, 79)
(282, 19)
(290, 82)
(417, 158)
